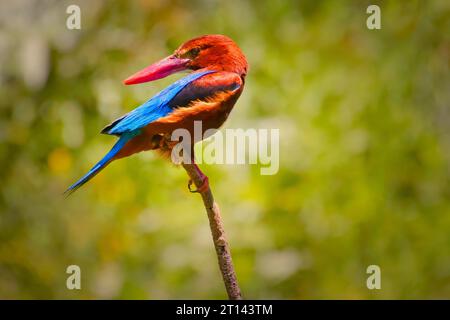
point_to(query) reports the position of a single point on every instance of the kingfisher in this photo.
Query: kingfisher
(208, 93)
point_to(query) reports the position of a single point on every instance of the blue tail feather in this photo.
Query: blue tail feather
(100, 165)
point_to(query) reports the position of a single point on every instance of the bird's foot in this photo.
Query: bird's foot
(202, 188)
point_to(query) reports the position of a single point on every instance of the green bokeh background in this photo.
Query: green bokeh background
(364, 174)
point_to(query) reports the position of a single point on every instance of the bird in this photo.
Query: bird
(217, 69)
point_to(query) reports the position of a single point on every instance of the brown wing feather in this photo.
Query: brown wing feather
(212, 111)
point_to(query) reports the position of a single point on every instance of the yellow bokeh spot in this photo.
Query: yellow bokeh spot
(59, 161)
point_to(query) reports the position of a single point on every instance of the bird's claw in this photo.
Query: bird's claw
(202, 188)
(190, 183)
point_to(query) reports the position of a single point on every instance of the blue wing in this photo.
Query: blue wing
(153, 109)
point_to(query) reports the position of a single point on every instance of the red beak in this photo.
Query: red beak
(158, 70)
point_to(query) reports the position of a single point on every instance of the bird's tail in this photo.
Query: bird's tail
(100, 165)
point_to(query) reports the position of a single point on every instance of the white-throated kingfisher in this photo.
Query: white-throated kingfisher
(207, 94)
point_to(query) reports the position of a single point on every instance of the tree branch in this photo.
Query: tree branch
(218, 234)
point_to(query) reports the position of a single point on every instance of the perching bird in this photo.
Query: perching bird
(207, 94)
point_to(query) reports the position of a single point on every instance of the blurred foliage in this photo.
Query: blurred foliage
(364, 158)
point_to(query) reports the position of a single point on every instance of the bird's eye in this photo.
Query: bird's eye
(191, 54)
(194, 52)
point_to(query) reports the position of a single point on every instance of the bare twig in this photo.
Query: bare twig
(218, 234)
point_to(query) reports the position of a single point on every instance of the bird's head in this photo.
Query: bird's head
(213, 52)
